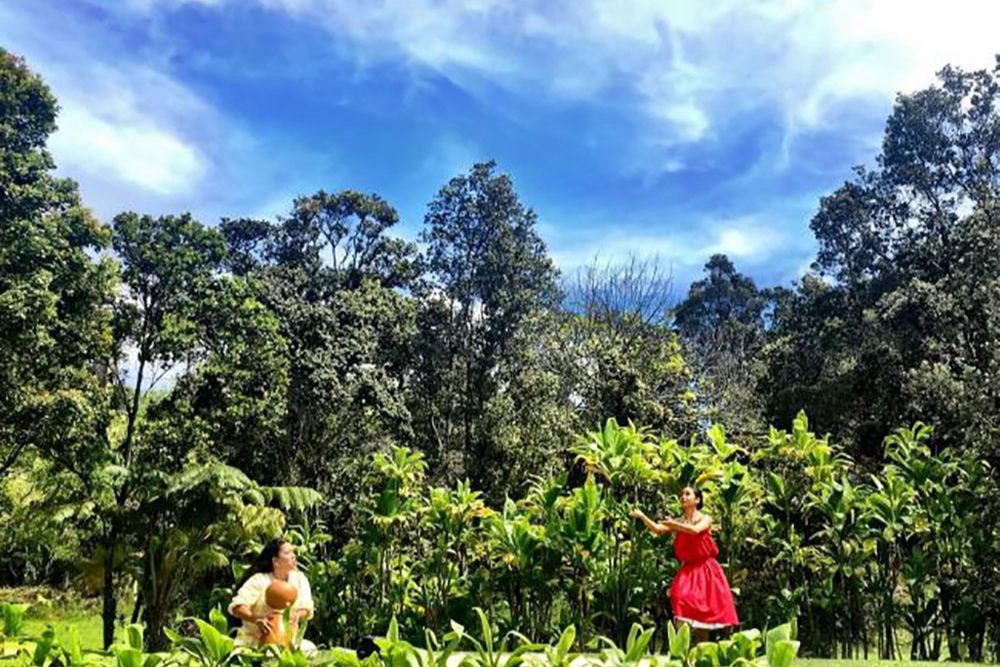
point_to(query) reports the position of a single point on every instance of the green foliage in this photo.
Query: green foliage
(635, 647)
(559, 655)
(196, 517)
(211, 648)
(492, 650)
(13, 619)
(488, 278)
(721, 325)
(900, 325)
(131, 653)
(394, 651)
(821, 546)
(899, 332)
(48, 650)
(54, 290)
(292, 658)
(679, 642)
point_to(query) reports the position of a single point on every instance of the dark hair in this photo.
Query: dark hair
(697, 494)
(264, 561)
(267, 555)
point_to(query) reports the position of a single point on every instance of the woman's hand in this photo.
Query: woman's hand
(264, 624)
(656, 528)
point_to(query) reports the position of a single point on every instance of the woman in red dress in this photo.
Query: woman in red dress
(700, 594)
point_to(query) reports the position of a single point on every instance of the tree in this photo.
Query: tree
(721, 325)
(235, 398)
(331, 344)
(488, 274)
(344, 236)
(900, 323)
(623, 359)
(191, 521)
(54, 296)
(164, 262)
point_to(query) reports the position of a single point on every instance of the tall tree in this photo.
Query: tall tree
(235, 397)
(624, 360)
(901, 323)
(905, 327)
(54, 320)
(721, 325)
(489, 272)
(165, 261)
(334, 281)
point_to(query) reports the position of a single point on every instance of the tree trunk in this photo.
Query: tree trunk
(156, 639)
(109, 608)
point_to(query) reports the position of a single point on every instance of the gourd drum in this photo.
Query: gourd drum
(280, 595)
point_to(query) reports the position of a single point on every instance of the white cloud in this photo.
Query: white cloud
(683, 68)
(879, 47)
(746, 238)
(130, 124)
(133, 151)
(133, 136)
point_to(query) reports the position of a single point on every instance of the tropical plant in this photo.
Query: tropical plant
(131, 653)
(492, 650)
(212, 647)
(13, 618)
(635, 647)
(559, 654)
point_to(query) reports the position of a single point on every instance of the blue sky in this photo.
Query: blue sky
(669, 128)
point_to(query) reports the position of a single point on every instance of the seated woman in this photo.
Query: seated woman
(276, 561)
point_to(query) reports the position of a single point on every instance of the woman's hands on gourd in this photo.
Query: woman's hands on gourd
(264, 624)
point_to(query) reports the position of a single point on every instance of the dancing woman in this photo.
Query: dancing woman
(699, 595)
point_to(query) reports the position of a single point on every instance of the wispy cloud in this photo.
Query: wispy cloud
(684, 67)
(134, 134)
(678, 128)
(747, 239)
(106, 131)
(123, 126)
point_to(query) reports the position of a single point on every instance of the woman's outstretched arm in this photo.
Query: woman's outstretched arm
(699, 526)
(654, 527)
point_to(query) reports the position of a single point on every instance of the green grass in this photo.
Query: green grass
(59, 610)
(88, 625)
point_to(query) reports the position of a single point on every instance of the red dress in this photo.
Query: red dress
(700, 593)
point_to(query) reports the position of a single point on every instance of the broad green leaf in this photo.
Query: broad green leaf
(44, 647)
(775, 635)
(783, 653)
(126, 656)
(680, 642)
(219, 620)
(637, 649)
(134, 634)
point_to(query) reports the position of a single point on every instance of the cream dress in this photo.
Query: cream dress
(252, 595)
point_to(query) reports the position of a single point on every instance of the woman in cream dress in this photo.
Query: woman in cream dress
(277, 561)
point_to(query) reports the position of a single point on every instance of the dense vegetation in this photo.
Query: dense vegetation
(446, 425)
